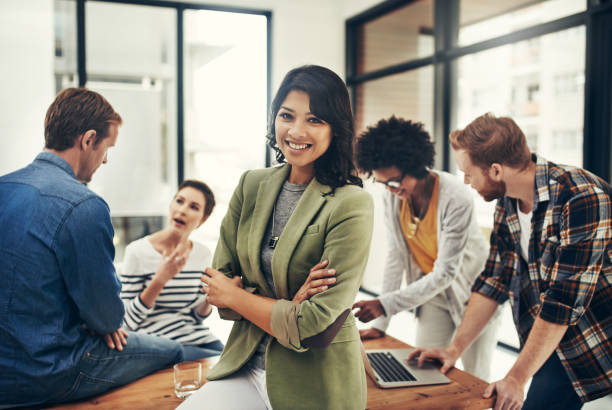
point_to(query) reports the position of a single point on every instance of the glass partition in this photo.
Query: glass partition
(133, 64)
(225, 103)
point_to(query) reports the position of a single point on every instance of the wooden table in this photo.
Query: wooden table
(156, 391)
(464, 392)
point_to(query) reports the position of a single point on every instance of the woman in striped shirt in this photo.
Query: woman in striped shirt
(160, 277)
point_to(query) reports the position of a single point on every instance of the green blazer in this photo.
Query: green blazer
(337, 227)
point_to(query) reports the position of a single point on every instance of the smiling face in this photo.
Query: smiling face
(478, 178)
(187, 210)
(301, 136)
(387, 176)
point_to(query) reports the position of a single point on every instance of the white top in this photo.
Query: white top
(525, 222)
(174, 313)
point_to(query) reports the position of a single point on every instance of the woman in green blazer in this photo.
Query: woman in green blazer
(281, 221)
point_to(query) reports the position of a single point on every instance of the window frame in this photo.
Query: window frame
(597, 18)
(180, 7)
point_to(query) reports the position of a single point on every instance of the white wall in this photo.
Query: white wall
(26, 78)
(305, 31)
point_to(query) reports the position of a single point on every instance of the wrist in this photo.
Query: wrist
(157, 282)
(516, 377)
(454, 350)
(233, 296)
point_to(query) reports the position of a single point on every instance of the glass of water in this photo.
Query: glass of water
(187, 378)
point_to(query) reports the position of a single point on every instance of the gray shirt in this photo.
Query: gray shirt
(286, 202)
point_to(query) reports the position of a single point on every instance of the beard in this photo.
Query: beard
(493, 190)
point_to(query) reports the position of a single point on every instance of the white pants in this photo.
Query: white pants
(435, 328)
(243, 390)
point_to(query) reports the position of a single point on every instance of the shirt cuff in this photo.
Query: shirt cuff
(491, 288)
(199, 316)
(137, 313)
(556, 312)
(283, 323)
(386, 301)
(381, 323)
(141, 308)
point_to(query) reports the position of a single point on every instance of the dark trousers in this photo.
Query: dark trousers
(551, 388)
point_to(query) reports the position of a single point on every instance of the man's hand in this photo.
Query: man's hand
(220, 288)
(368, 310)
(318, 280)
(509, 391)
(447, 356)
(371, 333)
(116, 340)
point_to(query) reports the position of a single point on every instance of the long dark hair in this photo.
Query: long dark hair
(329, 101)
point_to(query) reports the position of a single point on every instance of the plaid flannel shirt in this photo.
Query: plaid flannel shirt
(567, 277)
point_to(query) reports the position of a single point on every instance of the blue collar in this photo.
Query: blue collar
(57, 161)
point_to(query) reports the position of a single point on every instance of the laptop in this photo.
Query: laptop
(389, 368)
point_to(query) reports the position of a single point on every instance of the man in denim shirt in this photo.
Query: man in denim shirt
(60, 311)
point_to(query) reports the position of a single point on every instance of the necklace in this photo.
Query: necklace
(274, 238)
(415, 220)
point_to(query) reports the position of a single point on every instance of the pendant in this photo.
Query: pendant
(273, 241)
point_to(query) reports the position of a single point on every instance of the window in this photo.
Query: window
(210, 129)
(529, 92)
(225, 103)
(481, 20)
(515, 58)
(403, 34)
(408, 95)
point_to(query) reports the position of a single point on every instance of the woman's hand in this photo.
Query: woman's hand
(172, 264)
(318, 280)
(204, 309)
(368, 309)
(371, 333)
(220, 288)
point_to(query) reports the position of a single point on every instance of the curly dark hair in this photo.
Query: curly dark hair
(329, 101)
(396, 142)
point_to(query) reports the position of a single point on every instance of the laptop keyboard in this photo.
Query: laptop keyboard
(389, 368)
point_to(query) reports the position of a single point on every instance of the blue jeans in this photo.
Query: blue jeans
(194, 352)
(102, 368)
(551, 388)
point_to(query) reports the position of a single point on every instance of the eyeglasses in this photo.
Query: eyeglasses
(392, 183)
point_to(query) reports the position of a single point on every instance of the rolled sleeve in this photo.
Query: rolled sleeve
(136, 312)
(283, 323)
(575, 262)
(491, 288)
(555, 312)
(347, 243)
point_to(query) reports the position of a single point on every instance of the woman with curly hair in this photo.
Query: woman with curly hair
(433, 238)
(287, 349)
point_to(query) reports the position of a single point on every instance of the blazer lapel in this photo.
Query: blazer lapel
(312, 200)
(266, 196)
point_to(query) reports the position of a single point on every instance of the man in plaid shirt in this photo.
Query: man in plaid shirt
(551, 257)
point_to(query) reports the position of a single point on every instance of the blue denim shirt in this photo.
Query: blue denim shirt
(56, 276)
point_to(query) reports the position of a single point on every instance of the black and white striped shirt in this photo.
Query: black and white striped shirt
(174, 313)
